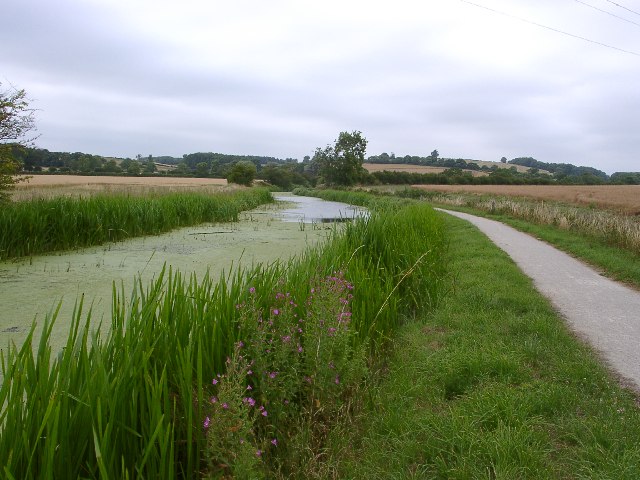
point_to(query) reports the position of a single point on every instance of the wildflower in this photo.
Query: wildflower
(299, 349)
(251, 402)
(276, 311)
(213, 399)
(337, 380)
(214, 381)
(273, 374)
(225, 406)
(249, 372)
(249, 387)
(206, 423)
(240, 344)
(252, 290)
(264, 413)
(274, 442)
(258, 453)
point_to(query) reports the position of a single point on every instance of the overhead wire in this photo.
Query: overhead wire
(531, 22)
(608, 13)
(623, 7)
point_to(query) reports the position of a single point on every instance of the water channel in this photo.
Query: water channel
(30, 288)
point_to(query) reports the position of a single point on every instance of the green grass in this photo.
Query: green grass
(490, 385)
(606, 240)
(39, 226)
(131, 404)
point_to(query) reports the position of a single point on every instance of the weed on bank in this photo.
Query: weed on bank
(208, 378)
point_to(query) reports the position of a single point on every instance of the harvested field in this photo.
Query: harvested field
(49, 186)
(624, 198)
(403, 167)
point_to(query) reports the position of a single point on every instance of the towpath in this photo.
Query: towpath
(601, 311)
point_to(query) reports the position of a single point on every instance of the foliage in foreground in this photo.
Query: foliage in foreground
(491, 385)
(16, 121)
(40, 226)
(140, 403)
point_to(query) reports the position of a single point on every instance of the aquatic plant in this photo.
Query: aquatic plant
(137, 401)
(63, 223)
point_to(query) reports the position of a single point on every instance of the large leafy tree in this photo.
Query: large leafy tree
(341, 164)
(242, 173)
(16, 123)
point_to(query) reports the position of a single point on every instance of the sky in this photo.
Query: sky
(478, 79)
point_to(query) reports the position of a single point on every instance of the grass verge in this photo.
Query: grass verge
(491, 385)
(606, 240)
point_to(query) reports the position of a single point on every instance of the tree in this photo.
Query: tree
(202, 169)
(341, 164)
(434, 155)
(16, 121)
(503, 160)
(242, 173)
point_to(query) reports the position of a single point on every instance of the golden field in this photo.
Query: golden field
(625, 198)
(403, 167)
(47, 186)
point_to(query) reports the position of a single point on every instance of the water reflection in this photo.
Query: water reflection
(316, 210)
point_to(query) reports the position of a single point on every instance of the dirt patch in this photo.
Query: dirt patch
(625, 198)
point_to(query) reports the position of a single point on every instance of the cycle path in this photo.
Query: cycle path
(603, 312)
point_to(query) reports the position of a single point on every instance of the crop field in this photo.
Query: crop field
(50, 186)
(401, 167)
(624, 198)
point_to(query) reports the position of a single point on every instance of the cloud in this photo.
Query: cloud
(281, 78)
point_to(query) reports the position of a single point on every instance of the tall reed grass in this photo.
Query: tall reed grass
(613, 228)
(39, 226)
(136, 403)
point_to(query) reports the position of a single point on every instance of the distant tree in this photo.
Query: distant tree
(503, 160)
(202, 169)
(242, 173)
(134, 168)
(435, 154)
(16, 122)
(341, 164)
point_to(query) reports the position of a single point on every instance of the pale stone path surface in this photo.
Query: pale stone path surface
(603, 312)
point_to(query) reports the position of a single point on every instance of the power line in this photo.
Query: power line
(552, 29)
(623, 7)
(608, 13)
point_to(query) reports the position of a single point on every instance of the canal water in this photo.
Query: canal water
(31, 288)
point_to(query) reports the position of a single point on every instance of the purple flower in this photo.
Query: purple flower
(276, 311)
(252, 290)
(213, 399)
(258, 453)
(249, 372)
(249, 387)
(214, 381)
(206, 423)
(273, 374)
(264, 413)
(274, 442)
(337, 380)
(225, 406)
(251, 401)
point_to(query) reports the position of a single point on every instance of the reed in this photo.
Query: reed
(63, 223)
(134, 403)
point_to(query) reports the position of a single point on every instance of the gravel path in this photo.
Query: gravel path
(603, 312)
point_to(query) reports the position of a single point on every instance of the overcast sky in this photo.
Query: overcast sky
(280, 78)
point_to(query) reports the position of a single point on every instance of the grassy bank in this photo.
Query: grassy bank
(40, 226)
(608, 240)
(243, 376)
(490, 385)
